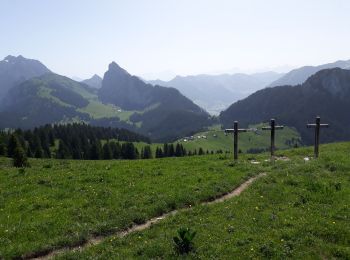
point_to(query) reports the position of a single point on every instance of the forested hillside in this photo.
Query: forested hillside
(327, 94)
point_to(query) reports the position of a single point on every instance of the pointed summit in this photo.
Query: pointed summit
(95, 81)
(113, 66)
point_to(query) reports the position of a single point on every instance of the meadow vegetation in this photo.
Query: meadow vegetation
(300, 209)
(55, 203)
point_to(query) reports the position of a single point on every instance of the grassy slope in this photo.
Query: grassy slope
(299, 210)
(246, 140)
(57, 203)
(95, 108)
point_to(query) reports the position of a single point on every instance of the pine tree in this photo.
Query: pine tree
(137, 154)
(184, 151)
(2, 149)
(147, 152)
(107, 152)
(38, 153)
(171, 150)
(95, 151)
(116, 150)
(29, 152)
(62, 152)
(200, 151)
(51, 138)
(19, 158)
(12, 145)
(159, 152)
(129, 151)
(178, 150)
(165, 150)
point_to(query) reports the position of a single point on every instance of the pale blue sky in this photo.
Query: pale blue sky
(159, 37)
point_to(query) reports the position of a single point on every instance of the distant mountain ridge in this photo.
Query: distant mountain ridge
(326, 93)
(15, 70)
(300, 75)
(216, 92)
(124, 101)
(95, 81)
(161, 106)
(47, 99)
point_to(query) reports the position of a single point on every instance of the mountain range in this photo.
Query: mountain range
(325, 94)
(216, 92)
(37, 96)
(95, 81)
(15, 70)
(32, 95)
(300, 75)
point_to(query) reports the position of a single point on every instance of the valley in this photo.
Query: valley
(174, 130)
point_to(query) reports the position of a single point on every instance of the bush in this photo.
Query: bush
(19, 158)
(184, 241)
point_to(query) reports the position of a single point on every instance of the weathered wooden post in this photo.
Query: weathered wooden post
(272, 128)
(235, 132)
(317, 127)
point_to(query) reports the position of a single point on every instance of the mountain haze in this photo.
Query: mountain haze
(216, 92)
(161, 113)
(158, 106)
(300, 75)
(326, 93)
(95, 81)
(15, 70)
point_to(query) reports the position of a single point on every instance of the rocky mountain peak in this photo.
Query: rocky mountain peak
(114, 67)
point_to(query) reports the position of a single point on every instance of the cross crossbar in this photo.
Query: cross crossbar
(314, 125)
(277, 127)
(240, 130)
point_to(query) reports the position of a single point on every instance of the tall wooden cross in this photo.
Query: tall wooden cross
(272, 128)
(235, 132)
(317, 127)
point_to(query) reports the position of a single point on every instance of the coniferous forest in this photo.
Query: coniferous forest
(84, 142)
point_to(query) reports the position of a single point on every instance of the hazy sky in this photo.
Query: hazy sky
(157, 38)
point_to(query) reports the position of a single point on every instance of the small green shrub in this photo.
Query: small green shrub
(184, 241)
(337, 186)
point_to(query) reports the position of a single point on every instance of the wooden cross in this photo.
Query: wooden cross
(272, 128)
(235, 132)
(317, 127)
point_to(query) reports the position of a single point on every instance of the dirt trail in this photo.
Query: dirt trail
(98, 239)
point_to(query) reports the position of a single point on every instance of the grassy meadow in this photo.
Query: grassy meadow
(60, 202)
(300, 209)
(216, 139)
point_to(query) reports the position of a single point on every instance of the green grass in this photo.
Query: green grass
(246, 141)
(46, 93)
(56, 203)
(300, 210)
(98, 110)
